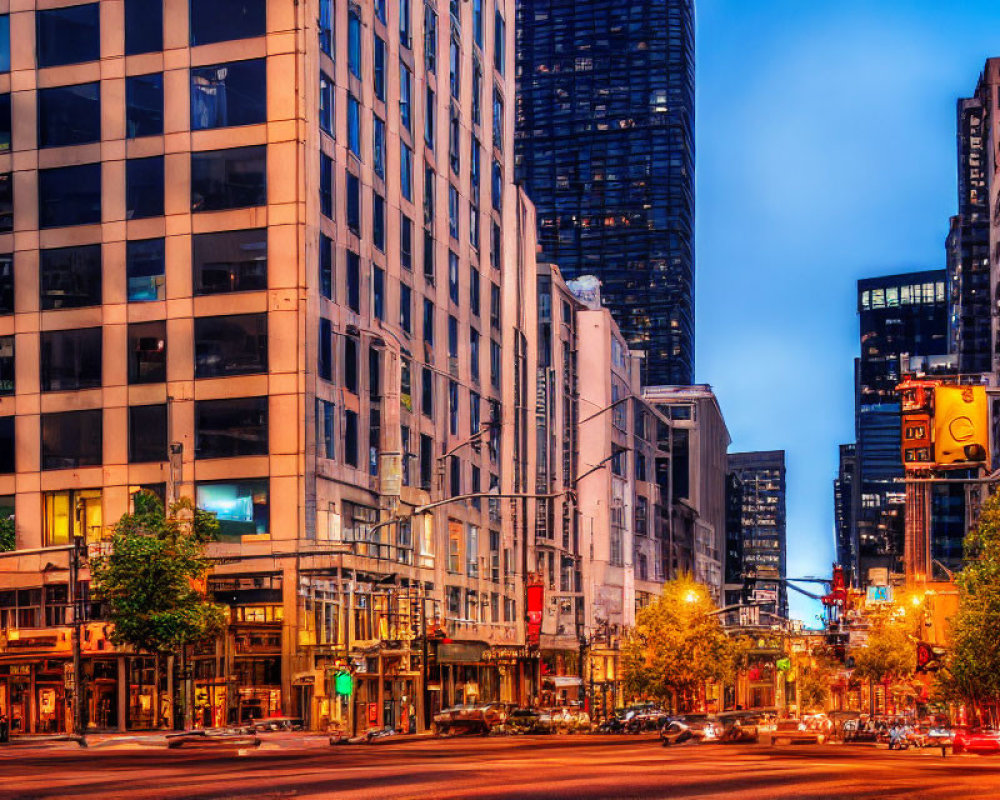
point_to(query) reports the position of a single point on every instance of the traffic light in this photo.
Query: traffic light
(961, 425)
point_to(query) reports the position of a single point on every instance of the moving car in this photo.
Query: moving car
(746, 726)
(214, 737)
(691, 728)
(469, 719)
(795, 731)
(522, 720)
(982, 741)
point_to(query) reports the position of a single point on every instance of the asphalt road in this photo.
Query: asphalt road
(515, 767)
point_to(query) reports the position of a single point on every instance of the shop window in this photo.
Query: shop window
(5, 126)
(144, 105)
(72, 439)
(6, 202)
(70, 277)
(230, 345)
(242, 507)
(69, 115)
(69, 196)
(230, 261)
(147, 352)
(143, 26)
(144, 187)
(6, 365)
(229, 95)
(68, 35)
(232, 178)
(144, 267)
(147, 433)
(71, 359)
(7, 448)
(231, 427)
(224, 20)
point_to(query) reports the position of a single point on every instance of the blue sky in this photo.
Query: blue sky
(825, 153)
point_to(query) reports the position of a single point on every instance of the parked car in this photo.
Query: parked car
(263, 725)
(646, 717)
(746, 726)
(469, 719)
(214, 737)
(795, 731)
(691, 728)
(564, 719)
(522, 720)
(982, 741)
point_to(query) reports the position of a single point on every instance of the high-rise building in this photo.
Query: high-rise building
(605, 147)
(734, 540)
(843, 505)
(262, 254)
(903, 330)
(762, 474)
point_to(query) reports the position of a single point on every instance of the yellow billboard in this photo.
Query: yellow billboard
(961, 425)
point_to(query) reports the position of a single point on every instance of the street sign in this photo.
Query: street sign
(344, 684)
(879, 595)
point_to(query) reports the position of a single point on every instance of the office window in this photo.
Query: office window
(380, 10)
(70, 359)
(7, 384)
(427, 392)
(215, 21)
(497, 119)
(143, 26)
(72, 439)
(429, 195)
(4, 43)
(7, 449)
(429, 251)
(230, 345)
(455, 68)
(68, 35)
(452, 211)
(326, 26)
(405, 97)
(474, 354)
(496, 188)
(351, 438)
(378, 221)
(477, 22)
(69, 115)
(6, 283)
(477, 92)
(496, 245)
(378, 293)
(6, 202)
(353, 125)
(405, 242)
(495, 364)
(452, 336)
(230, 428)
(354, 203)
(232, 178)
(326, 185)
(475, 420)
(326, 425)
(326, 266)
(144, 268)
(144, 187)
(405, 308)
(5, 123)
(147, 433)
(351, 368)
(430, 39)
(453, 290)
(229, 261)
(69, 196)
(228, 95)
(454, 141)
(380, 68)
(144, 105)
(499, 41)
(474, 225)
(325, 103)
(353, 280)
(429, 106)
(494, 306)
(70, 277)
(147, 352)
(406, 172)
(324, 359)
(474, 170)
(354, 42)
(405, 31)
(405, 388)
(241, 507)
(453, 407)
(428, 321)
(474, 291)
(378, 146)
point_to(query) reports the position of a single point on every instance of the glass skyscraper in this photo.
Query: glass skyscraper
(605, 149)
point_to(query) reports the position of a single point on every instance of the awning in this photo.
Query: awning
(562, 681)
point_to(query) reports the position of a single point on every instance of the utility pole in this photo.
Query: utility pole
(77, 607)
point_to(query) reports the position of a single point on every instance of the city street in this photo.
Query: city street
(517, 767)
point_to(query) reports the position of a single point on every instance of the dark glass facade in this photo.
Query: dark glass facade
(843, 505)
(605, 149)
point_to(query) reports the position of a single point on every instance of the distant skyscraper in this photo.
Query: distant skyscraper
(763, 523)
(605, 147)
(843, 493)
(903, 330)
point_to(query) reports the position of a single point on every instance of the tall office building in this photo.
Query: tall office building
(843, 505)
(903, 330)
(605, 148)
(762, 474)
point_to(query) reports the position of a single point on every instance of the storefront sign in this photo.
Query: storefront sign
(20, 669)
(535, 599)
(463, 652)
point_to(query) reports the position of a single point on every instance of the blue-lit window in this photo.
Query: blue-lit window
(499, 41)
(354, 203)
(354, 42)
(452, 336)
(69, 196)
(430, 39)
(405, 30)
(241, 507)
(405, 97)
(232, 178)
(497, 186)
(453, 290)
(353, 281)
(378, 222)
(497, 119)
(325, 103)
(69, 35)
(477, 22)
(144, 269)
(69, 115)
(378, 293)
(380, 62)
(405, 308)
(144, 187)
(378, 147)
(405, 242)
(326, 185)
(380, 11)
(455, 68)
(228, 95)
(326, 26)
(143, 26)
(144, 105)
(326, 266)
(225, 20)
(4, 43)
(429, 117)
(454, 141)
(453, 211)
(406, 172)
(477, 92)
(354, 125)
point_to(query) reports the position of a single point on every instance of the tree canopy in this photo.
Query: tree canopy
(150, 579)
(677, 645)
(891, 651)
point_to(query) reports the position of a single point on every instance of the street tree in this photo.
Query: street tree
(812, 685)
(677, 646)
(152, 579)
(890, 652)
(972, 673)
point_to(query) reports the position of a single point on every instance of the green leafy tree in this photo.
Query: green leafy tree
(8, 535)
(677, 646)
(812, 685)
(890, 653)
(151, 580)
(972, 673)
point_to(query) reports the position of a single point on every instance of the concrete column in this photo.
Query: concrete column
(122, 694)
